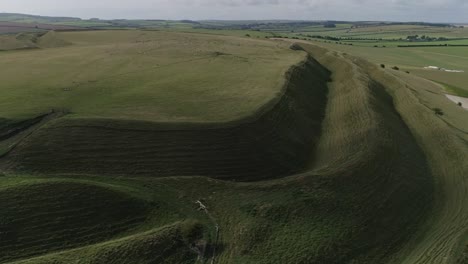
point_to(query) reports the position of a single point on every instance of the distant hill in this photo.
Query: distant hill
(23, 18)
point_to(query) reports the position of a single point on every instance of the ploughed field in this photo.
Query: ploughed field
(161, 147)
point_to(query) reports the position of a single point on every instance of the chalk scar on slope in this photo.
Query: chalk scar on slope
(458, 99)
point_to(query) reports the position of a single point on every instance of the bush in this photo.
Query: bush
(460, 104)
(247, 35)
(438, 111)
(407, 72)
(395, 68)
(382, 66)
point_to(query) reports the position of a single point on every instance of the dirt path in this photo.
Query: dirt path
(203, 208)
(18, 135)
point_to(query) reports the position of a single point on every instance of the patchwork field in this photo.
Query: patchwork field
(409, 47)
(144, 146)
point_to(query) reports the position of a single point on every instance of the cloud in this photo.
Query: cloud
(406, 10)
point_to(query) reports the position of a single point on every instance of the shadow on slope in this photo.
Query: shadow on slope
(169, 244)
(49, 216)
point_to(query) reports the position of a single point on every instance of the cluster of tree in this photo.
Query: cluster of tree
(322, 37)
(425, 38)
(290, 26)
(378, 24)
(433, 45)
(260, 25)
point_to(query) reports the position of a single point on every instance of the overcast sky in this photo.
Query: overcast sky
(389, 10)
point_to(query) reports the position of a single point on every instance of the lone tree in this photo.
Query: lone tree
(382, 66)
(460, 104)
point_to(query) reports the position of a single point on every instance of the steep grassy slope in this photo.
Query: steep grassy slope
(52, 39)
(17, 42)
(276, 141)
(463, 259)
(445, 146)
(169, 244)
(21, 41)
(47, 216)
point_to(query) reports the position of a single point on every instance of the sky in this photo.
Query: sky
(452, 11)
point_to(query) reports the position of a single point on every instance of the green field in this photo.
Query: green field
(145, 75)
(205, 145)
(415, 59)
(379, 44)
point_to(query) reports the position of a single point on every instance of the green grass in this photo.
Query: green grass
(414, 60)
(145, 75)
(387, 32)
(168, 244)
(357, 151)
(347, 192)
(283, 136)
(48, 216)
(463, 259)
(455, 90)
(411, 59)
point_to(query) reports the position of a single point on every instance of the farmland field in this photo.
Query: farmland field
(380, 44)
(202, 142)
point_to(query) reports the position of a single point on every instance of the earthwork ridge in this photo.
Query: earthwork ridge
(275, 142)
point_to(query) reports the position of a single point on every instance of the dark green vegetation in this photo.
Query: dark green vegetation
(170, 244)
(38, 218)
(464, 257)
(299, 153)
(455, 90)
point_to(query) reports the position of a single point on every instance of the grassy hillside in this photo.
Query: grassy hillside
(278, 142)
(47, 216)
(24, 18)
(246, 151)
(20, 41)
(143, 75)
(169, 244)
(446, 151)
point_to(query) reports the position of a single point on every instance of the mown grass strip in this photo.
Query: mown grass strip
(454, 90)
